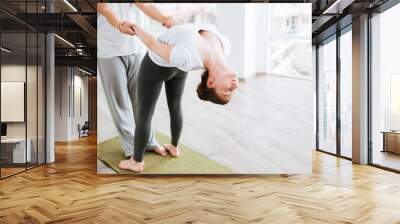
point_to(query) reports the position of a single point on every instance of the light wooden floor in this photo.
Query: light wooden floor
(387, 159)
(5, 172)
(10, 171)
(70, 191)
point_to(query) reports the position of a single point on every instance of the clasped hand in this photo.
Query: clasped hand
(129, 27)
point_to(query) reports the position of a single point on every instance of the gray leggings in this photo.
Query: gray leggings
(150, 80)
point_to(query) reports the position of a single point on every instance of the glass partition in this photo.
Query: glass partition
(14, 153)
(327, 96)
(346, 94)
(22, 89)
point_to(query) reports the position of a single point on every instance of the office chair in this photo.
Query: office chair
(84, 130)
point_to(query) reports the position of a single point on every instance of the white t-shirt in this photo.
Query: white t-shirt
(111, 42)
(185, 55)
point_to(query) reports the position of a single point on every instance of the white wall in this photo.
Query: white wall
(247, 32)
(33, 126)
(61, 103)
(67, 81)
(263, 28)
(80, 83)
(250, 43)
(12, 73)
(233, 13)
(17, 73)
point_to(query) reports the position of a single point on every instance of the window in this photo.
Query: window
(327, 96)
(346, 94)
(385, 89)
(395, 102)
(288, 38)
(182, 13)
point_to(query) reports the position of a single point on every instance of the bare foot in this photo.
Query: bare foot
(172, 149)
(131, 164)
(160, 150)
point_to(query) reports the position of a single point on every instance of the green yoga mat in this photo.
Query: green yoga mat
(188, 162)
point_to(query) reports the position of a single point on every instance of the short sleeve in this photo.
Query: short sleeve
(182, 56)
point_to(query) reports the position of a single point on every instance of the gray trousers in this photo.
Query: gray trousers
(119, 78)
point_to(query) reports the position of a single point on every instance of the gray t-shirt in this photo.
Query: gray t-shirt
(185, 55)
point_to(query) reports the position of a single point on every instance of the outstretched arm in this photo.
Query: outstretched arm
(105, 10)
(161, 49)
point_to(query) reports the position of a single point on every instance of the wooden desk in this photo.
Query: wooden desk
(391, 141)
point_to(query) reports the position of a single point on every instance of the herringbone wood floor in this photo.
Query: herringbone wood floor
(70, 191)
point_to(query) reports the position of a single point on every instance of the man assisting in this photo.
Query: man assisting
(119, 58)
